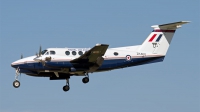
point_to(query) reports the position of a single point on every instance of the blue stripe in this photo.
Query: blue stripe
(158, 39)
(32, 68)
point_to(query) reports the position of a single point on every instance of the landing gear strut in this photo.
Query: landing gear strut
(16, 83)
(85, 79)
(66, 87)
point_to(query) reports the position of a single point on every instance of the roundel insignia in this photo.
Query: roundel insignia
(128, 57)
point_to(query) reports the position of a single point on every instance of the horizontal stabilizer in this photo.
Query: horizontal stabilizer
(170, 26)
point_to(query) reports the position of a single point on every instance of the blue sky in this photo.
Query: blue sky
(170, 86)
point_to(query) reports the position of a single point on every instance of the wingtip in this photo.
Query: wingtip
(102, 45)
(185, 21)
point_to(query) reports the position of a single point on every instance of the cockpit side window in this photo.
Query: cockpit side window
(43, 52)
(52, 52)
(47, 53)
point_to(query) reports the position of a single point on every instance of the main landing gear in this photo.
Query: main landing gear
(84, 80)
(66, 87)
(16, 83)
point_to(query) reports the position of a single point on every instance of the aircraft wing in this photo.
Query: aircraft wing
(94, 55)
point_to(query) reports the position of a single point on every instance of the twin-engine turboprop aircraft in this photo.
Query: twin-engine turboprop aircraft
(62, 63)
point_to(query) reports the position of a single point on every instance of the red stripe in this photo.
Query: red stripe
(164, 31)
(152, 37)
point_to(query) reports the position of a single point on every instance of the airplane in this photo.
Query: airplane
(62, 63)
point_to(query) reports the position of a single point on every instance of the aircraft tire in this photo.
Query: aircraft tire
(66, 88)
(85, 80)
(16, 83)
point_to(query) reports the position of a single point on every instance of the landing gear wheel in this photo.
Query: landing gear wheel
(66, 88)
(16, 83)
(85, 80)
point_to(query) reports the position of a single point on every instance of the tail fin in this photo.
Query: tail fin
(159, 40)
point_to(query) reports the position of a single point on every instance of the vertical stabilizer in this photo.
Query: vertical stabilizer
(160, 38)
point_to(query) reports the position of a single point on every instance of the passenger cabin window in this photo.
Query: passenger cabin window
(80, 53)
(67, 53)
(74, 53)
(52, 52)
(115, 53)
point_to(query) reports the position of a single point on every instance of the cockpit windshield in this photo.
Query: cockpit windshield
(44, 51)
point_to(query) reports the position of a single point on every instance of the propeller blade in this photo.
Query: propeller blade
(40, 51)
(21, 56)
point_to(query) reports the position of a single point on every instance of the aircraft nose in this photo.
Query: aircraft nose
(21, 62)
(13, 64)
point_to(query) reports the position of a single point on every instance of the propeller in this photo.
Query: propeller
(40, 57)
(21, 56)
(40, 51)
(36, 54)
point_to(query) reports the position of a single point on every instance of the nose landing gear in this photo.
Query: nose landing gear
(16, 83)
